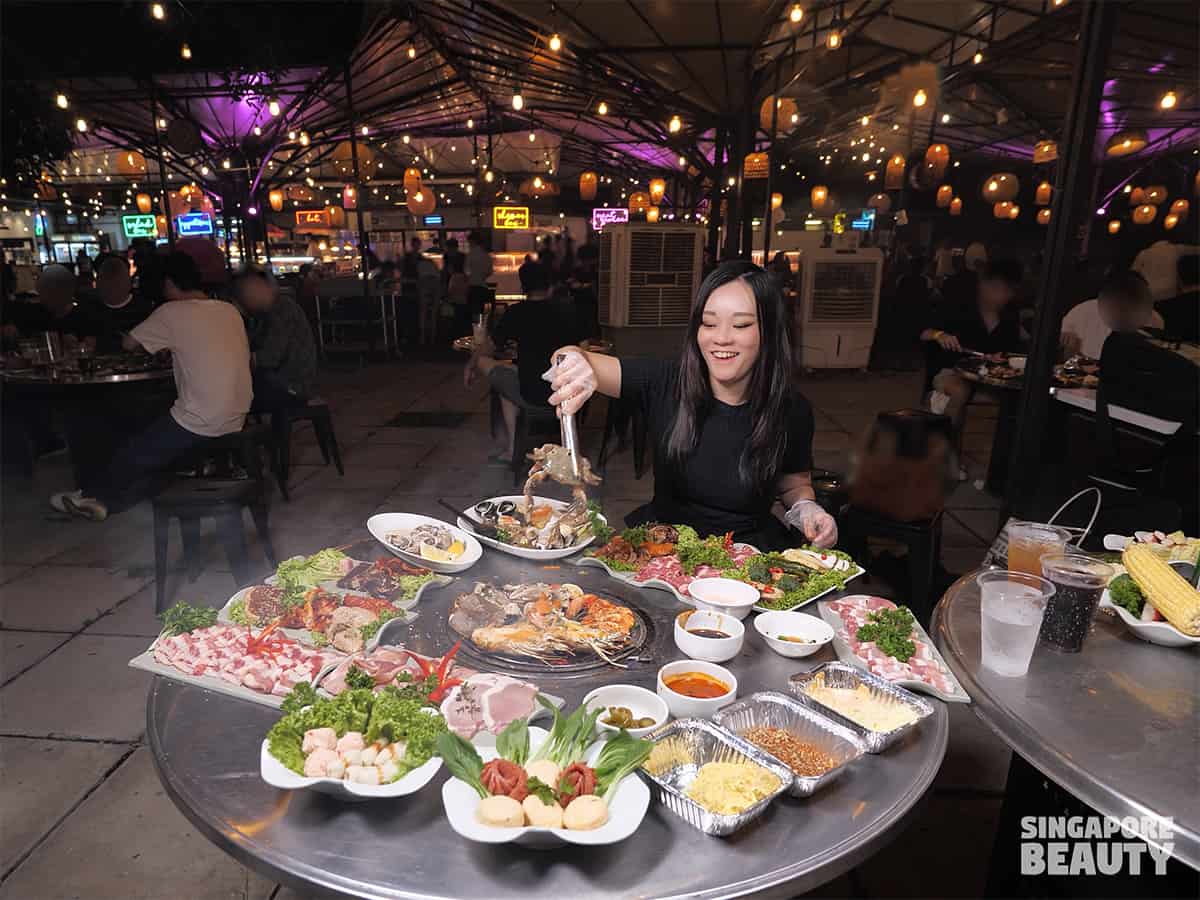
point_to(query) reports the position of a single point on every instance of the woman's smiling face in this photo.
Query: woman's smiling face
(729, 337)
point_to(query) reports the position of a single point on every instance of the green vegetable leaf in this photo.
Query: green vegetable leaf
(1126, 593)
(302, 695)
(600, 529)
(708, 552)
(357, 678)
(239, 615)
(542, 791)
(620, 755)
(513, 742)
(184, 617)
(371, 629)
(635, 536)
(304, 711)
(891, 630)
(462, 760)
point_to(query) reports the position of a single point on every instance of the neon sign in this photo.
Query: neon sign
(606, 216)
(193, 223)
(314, 218)
(139, 226)
(511, 217)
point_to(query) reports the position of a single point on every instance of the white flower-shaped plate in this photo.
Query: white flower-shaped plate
(1162, 633)
(627, 806)
(278, 775)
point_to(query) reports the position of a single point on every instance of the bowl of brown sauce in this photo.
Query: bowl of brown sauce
(711, 636)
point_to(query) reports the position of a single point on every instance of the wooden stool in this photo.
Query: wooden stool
(317, 412)
(193, 499)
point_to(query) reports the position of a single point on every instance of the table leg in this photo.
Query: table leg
(1006, 414)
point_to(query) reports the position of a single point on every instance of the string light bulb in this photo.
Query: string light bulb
(602, 109)
(674, 125)
(833, 40)
(865, 120)
(1168, 100)
(158, 11)
(796, 14)
(977, 58)
(185, 52)
(518, 101)
(406, 138)
(532, 137)
(162, 123)
(945, 118)
(489, 176)
(470, 123)
(81, 125)
(365, 131)
(61, 101)
(682, 161)
(412, 52)
(555, 42)
(225, 164)
(920, 98)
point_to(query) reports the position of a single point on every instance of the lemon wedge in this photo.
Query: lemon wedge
(456, 549)
(436, 554)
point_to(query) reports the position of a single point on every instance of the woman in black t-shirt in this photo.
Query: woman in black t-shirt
(731, 435)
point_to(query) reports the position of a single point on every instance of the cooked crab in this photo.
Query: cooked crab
(554, 462)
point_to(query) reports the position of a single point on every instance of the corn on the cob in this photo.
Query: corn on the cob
(1165, 588)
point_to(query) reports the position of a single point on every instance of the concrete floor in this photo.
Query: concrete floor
(81, 810)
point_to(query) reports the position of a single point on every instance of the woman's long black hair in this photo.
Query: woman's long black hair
(768, 393)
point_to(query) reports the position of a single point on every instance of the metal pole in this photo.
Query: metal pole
(262, 217)
(714, 206)
(162, 171)
(363, 248)
(225, 217)
(1070, 214)
(733, 221)
(770, 165)
(40, 216)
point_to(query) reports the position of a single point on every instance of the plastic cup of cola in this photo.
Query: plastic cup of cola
(1011, 605)
(1079, 582)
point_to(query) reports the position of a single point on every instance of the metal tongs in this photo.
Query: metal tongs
(570, 436)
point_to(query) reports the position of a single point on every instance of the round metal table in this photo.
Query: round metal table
(71, 379)
(206, 748)
(1115, 725)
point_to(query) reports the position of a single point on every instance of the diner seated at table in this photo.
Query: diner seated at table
(1181, 313)
(988, 325)
(283, 355)
(211, 358)
(538, 325)
(1124, 305)
(113, 304)
(56, 311)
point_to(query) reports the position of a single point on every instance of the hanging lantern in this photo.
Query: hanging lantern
(349, 197)
(639, 201)
(956, 207)
(658, 189)
(652, 214)
(337, 216)
(1137, 196)
(937, 156)
(1003, 209)
(45, 191)
(130, 162)
(819, 196)
(275, 198)
(1043, 217)
(1045, 151)
(587, 186)
(786, 115)
(777, 201)
(945, 194)
(1125, 143)
(1145, 214)
(1114, 226)
(421, 202)
(1014, 211)
(1170, 221)
(343, 157)
(1180, 208)
(299, 192)
(144, 203)
(160, 224)
(1042, 197)
(1001, 187)
(187, 191)
(893, 178)
(880, 202)
(412, 178)
(755, 165)
(1196, 185)
(1156, 194)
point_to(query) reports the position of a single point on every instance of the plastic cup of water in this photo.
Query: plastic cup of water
(1012, 605)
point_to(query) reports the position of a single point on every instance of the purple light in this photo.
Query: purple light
(252, 210)
(1101, 211)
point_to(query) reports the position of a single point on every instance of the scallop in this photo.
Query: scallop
(585, 813)
(500, 812)
(542, 815)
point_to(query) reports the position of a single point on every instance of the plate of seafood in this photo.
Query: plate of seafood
(556, 626)
(539, 528)
(425, 541)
